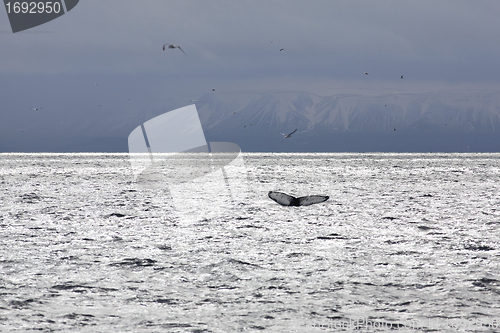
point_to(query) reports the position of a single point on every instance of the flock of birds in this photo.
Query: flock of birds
(285, 136)
(173, 46)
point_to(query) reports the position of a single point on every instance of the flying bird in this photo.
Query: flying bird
(36, 109)
(286, 136)
(281, 50)
(287, 200)
(366, 73)
(402, 76)
(172, 46)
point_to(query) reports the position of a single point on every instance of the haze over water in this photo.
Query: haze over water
(403, 237)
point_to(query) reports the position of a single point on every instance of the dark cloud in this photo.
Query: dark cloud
(341, 38)
(328, 45)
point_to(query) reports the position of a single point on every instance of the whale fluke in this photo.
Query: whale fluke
(287, 200)
(312, 199)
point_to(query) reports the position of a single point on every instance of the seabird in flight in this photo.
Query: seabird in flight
(36, 109)
(172, 46)
(402, 76)
(286, 136)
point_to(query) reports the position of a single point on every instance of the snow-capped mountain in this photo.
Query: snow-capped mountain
(280, 112)
(456, 119)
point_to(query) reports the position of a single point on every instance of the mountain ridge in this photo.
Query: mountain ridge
(411, 117)
(350, 112)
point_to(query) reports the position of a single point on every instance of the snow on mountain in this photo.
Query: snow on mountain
(269, 113)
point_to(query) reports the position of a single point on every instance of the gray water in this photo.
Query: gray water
(408, 240)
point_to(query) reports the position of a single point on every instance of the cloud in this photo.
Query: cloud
(338, 39)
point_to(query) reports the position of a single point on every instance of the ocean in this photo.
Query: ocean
(406, 243)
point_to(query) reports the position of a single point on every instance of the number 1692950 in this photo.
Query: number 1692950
(33, 7)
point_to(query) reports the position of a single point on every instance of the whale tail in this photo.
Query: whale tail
(288, 200)
(312, 199)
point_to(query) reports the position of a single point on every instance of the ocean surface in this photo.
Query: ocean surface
(406, 243)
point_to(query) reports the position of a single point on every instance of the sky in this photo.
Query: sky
(109, 53)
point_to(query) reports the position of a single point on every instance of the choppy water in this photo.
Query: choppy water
(405, 239)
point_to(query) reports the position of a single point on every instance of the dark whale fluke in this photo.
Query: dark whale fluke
(287, 200)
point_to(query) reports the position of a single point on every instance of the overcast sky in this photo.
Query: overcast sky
(327, 45)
